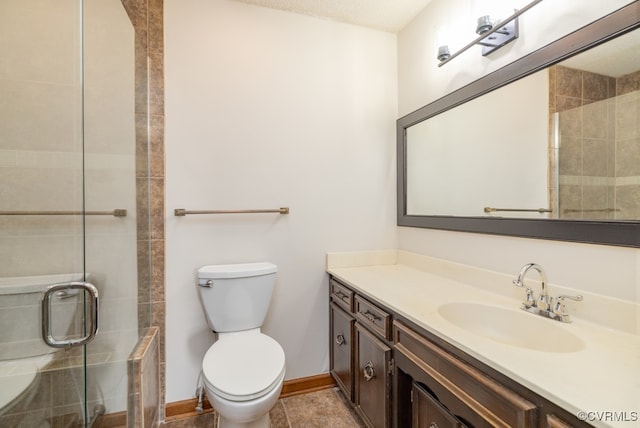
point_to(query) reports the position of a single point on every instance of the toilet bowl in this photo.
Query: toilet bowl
(243, 371)
(243, 375)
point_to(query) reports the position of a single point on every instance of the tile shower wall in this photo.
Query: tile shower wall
(40, 139)
(628, 142)
(598, 117)
(144, 383)
(147, 19)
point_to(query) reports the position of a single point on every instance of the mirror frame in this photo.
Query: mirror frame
(620, 233)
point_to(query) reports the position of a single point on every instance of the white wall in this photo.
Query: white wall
(267, 109)
(443, 154)
(421, 81)
(611, 271)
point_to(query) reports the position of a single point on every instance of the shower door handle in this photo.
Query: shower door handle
(92, 313)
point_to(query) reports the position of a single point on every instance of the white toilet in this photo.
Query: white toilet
(243, 371)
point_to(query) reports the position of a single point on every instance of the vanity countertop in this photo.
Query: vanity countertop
(603, 376)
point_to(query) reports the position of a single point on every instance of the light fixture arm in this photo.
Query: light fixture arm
(497, 28)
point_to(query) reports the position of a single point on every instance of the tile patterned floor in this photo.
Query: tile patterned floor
(321, 409)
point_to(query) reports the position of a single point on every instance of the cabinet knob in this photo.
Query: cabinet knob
(340, 340)
(368, 372)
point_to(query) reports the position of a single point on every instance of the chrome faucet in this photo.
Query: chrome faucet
(543, 300)
(543, 305)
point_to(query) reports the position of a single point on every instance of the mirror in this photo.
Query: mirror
(558, 135)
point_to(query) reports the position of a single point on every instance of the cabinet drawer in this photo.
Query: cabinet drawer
(341, 295)
(428, 412)
(374, 318)
(464, 390)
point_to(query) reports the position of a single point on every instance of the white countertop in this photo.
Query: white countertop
(603, 376)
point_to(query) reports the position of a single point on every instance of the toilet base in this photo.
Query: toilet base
(245, 414)
(263, 422)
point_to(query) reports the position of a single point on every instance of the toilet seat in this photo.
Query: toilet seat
(243, 367)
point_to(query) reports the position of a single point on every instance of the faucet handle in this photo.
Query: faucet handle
(560, 308)
(577, 298)
(529, 300)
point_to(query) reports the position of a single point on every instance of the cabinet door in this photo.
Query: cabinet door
(475, 398)
(373, 379)
(341, 348)
(427, 412)
(555, 422)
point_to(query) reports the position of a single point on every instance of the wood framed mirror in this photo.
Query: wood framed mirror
(599, 203)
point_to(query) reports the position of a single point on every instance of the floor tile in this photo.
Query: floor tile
(320, 410)
(278, 416)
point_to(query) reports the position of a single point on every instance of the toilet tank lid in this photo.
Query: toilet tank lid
(238, 270)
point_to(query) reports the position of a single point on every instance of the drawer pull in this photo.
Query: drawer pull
(433, 425)
(341, 295)
(371, 317)
(368, 372)
(340, 340)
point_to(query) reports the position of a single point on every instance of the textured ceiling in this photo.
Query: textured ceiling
(386, 15)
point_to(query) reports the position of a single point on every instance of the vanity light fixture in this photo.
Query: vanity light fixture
(443, 53)
(492, 34)
(484, 24)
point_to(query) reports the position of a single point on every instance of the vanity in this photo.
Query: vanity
(423, 342)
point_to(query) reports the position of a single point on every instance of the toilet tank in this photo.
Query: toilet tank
(236, 297)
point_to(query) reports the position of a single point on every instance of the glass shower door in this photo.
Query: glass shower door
(67, 210)
(42, 204)
(111, 242)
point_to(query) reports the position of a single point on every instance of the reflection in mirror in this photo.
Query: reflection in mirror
(560, 143)
(594, 103)
(546, 147)
(477, 155)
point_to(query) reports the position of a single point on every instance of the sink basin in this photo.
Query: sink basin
(511, 327)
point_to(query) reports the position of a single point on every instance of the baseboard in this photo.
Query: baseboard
(186, 408)
(304, 385)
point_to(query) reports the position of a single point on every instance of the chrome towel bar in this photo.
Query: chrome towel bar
(116, 213)
(532, 210)
(595, 210)
(181, 212)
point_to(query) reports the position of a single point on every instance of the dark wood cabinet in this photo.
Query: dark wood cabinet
(360, 353)
(427, 412)
(341, 325)
(475, 395)
(555, 422)
(373, 378)
(466, 392)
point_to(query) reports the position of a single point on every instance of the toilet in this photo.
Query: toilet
(244, 369)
